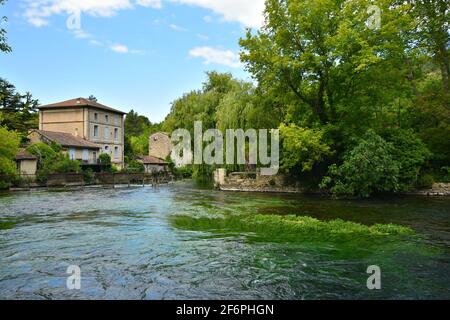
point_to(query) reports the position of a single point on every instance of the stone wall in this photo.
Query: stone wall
(438, 189)
(254, 182)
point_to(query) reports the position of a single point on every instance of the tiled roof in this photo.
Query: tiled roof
(151, 160)
(24, 155)
(67, 139)
(80, 102)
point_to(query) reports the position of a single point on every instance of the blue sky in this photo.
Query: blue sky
(130, 54)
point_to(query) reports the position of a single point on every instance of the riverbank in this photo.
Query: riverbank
(254, 182)
(438, 189)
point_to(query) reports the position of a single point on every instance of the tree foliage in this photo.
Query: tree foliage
(52, 160)
(302, 147)
(4, 47)
(19, 111)
(367, 168)
(9, 146)
(138, 128)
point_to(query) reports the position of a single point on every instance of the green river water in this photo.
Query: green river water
(184, 241)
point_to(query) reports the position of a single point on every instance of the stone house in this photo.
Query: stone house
(95, 129)
(75, 147)
(26, 163)
(153, 164)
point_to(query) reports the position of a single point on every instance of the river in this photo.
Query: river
(130, 243)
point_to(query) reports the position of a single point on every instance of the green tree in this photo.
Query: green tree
(302, 147)
(135, 167)
(4, 47)
(92, 98)
(410, 154)
(9, 146)
(19, 110)
(135, 124)
(369, 167)
(432, 19)
(320, 55)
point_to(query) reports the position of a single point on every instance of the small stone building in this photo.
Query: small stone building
(26, 163)
(153, 164)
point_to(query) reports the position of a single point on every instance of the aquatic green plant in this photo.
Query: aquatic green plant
(288, 227)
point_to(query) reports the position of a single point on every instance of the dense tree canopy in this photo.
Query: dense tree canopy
(9, 146)
(138, 128)
(341, 90)
(19, 111)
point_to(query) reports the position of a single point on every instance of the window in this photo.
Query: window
(96, 131)
(94, 157)
(116, 134)
(116, 152)
(116, 119)
(106, 149)
(106, 118)
(106, 133)
(85, 155)
(96, 116)
(72, 154)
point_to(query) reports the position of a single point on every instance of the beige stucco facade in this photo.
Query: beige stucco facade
(27, 167)
(102, 127)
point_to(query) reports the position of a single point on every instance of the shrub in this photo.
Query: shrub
(183, 172)
(65, 165)
(410, 153)
(104, 159)
(425, 181)
(9, 146)
(446, 174)
(50, 161)
(367, 168)
(135, 167)
(88, 176)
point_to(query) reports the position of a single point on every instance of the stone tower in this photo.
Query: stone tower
(160, 145)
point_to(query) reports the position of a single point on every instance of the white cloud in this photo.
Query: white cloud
(81, 34)
(247, 12)
(150, 3)
(176, 27)
(96, 43)
(119, 48)
(38, 12)
(202, 36)
(212, 55)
